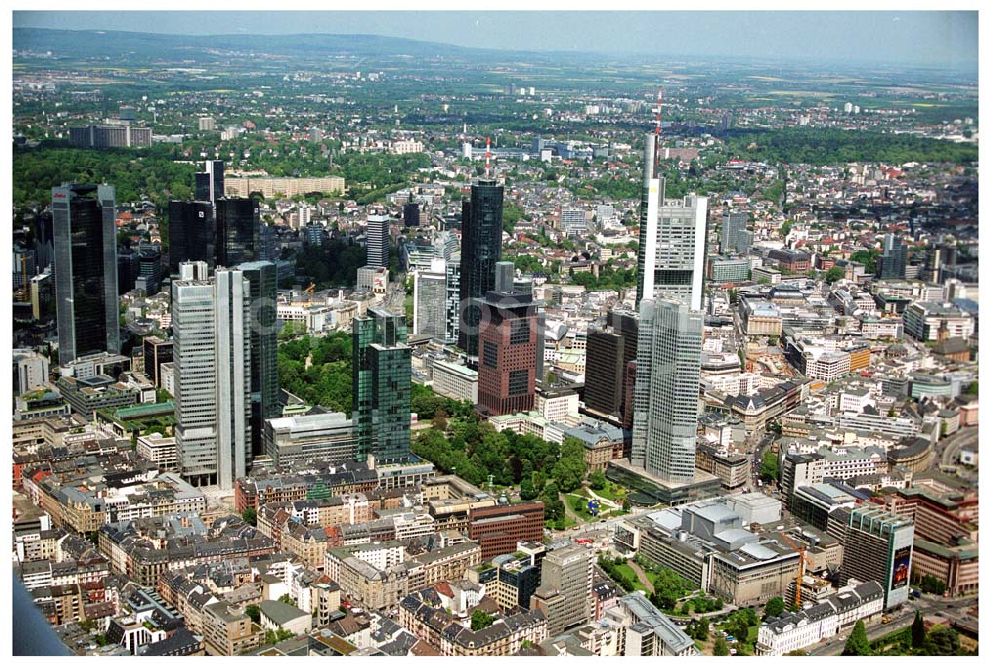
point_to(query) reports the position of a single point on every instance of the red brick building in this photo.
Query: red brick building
(498, 529)
(508, 346)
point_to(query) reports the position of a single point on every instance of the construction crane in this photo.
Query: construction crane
(802, 564)
(310, 289)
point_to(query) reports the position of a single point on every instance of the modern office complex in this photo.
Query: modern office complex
(382, 386)
(325, 437)
(430, 297)
(377, 239)
(508, 332)
(671, 240)
(482, 227)
(892, 262)
(878, 545)
(192, 233)
(209, 186)
(86, 270)
(453, 292)
(237, 231)
(263, 347)
(666, 392)
(211, 320)
(564, 592)
(733, 235)
(111, 135)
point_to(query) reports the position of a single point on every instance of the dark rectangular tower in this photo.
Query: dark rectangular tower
(192, 233)
(86, 269)
(482, 225)
(237, 231)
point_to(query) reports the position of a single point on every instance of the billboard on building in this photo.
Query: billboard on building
(901, 567)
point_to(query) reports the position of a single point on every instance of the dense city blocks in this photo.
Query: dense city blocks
(361, 345)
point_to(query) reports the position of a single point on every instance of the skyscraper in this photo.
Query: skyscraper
(892, 263)
(211, 357)
(878, 545)
(609, 350)
(508, 331)
(209, 186)
(504, 279)
(453, 289)
(671, 240)
(192, 233)
(237, 231)
(382, 386)
(565, 590)
(482, 226)
(377, 238)
(733, 236)
(668, 369)
(86, 269)
(430, 301)
(264, 403)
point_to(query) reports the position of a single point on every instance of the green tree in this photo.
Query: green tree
(481, 620)
(857, 642)
(286, 599)
(253, 612)
(273, 637)
(834, 274)
(774, 607)
(942, 641)
(528, 489)
(250, 516)
(699, 629)
(554, 509)
(918, 634)
(721, 647)
(769, 470)
(597, 479)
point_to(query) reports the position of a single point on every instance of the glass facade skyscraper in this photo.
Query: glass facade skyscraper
(237, 231)
(264, 403)
(666, 389)
(209, 186)
(482, 227)
(211, 357)
(382, 386)
(86, 269)
(192, 233)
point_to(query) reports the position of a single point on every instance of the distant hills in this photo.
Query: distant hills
(156, 46)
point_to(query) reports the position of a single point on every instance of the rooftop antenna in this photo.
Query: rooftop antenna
(487, 157)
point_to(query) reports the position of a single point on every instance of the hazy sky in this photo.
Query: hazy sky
(937, 39)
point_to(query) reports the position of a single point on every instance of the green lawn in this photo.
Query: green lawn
(612, 492)
(626, 573)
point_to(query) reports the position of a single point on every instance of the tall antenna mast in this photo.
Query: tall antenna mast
(487, 157)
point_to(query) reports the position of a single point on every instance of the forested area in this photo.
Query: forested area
(831, 146)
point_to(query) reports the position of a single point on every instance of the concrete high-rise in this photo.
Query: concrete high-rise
(382, 386)
(86, 270)
(482, 228)
(733, 235)
(209, 186)
(564, 593)
(264, 402)
(430, 301)
(211, 357)
(508, 331)
(671, 240)
(377, 239)
(878, 545)
(237, 231)
(503, 280)
(668, 370)
(192, 233)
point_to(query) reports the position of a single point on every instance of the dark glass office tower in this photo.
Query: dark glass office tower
(237, 231)
(382, 386)
(892, 263)
(264, 402)
(209, 186)
(191, 232)
(482, 226)
(86, 269)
